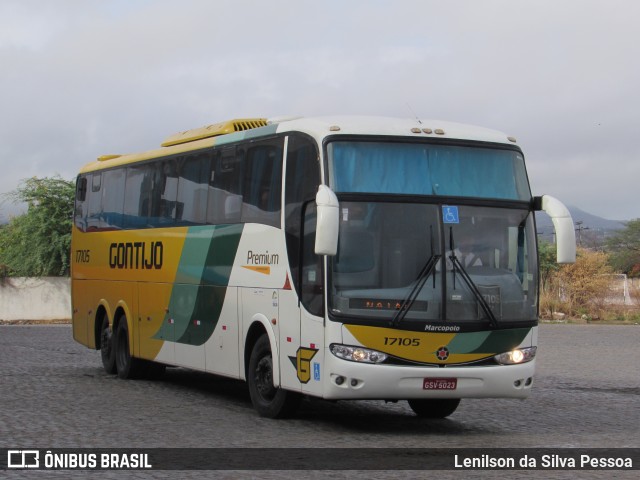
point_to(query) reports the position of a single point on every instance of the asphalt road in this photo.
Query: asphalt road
(54, 394)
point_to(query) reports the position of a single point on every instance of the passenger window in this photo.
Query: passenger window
(165, 194)
(113, 198)
(138, 196)
(94, 203)
(80, 211)
(224, 203)
(96, 182)
(262, 183)
(191, 203)
(245, 184)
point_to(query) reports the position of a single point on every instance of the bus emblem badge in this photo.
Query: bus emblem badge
(302, 363)
(442, 353)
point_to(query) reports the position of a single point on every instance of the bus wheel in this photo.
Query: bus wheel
(127, 366)
(434, 407)
(107, 349)
(269, 401)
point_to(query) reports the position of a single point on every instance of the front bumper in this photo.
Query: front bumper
(350, 380)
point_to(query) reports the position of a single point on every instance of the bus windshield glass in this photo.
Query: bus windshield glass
(428, 260)
(427, 169)
(403, 263)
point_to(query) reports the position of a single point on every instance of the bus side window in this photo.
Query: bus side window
(112, 198)
(224, 202)
(80, 211)
(81, 189)
(301, 184)
(311, 282)
(262, 182)
(138, 194)
(165, 193)
(191, 201)
(94, 203)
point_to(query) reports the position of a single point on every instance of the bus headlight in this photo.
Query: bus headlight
(518, 355)
(357, 354)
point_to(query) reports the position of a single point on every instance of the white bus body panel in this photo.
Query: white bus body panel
(394, 382)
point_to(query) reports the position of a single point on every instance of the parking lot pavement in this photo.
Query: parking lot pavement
(56, 395)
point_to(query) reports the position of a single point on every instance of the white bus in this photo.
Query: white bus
(340, 258)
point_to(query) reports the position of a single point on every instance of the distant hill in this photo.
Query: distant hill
(589, 228)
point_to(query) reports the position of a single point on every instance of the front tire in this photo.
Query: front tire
(107, 348)
(268, 400)
(434, 407)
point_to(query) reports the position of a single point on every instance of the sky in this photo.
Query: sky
(82, 78)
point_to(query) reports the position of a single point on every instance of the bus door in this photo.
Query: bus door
(301, 335)
(302, 338)
(301, 314)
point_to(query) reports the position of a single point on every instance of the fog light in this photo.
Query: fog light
(514, 357)
(339, 380)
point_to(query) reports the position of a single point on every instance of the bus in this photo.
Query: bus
(323, 257)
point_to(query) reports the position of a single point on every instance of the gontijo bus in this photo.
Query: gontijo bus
(341, 258)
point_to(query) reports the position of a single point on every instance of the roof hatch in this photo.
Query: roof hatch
(223, 128)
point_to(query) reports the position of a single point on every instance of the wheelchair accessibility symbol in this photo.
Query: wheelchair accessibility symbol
(450, 214)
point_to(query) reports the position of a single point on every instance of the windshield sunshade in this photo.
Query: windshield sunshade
(427, 169)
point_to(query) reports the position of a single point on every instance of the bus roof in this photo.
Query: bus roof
(317, 127)
(321, 127)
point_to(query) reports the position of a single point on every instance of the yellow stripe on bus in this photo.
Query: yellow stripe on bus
(266, 270)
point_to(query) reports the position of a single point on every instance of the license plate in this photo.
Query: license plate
(440, 383)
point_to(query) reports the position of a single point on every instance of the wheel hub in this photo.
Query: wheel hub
(264, 378)
(105, 340)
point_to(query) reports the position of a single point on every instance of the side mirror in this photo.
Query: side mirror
(328, 222)
(563, 224)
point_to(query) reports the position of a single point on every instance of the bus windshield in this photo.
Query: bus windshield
(428, 259)
(480, 270)
(427, 169)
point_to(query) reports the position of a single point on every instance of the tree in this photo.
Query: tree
(548, 264)
(584, 285)
(38, 242)
(625, 249)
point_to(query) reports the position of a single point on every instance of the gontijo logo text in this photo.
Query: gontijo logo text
(136, 255)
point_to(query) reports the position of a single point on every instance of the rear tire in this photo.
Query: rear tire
(107, 348)
(268, 400)
(434, 407)
(128, 367)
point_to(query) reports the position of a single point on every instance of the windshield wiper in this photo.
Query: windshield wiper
(419, 283)
(407, 303)
(457, 266)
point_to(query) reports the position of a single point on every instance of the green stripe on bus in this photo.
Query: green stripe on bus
(503, 340)
(201, 283)
(488, 342)
(247, 134)
(467, 342)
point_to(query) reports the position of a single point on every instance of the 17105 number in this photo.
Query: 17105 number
(402, 341)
